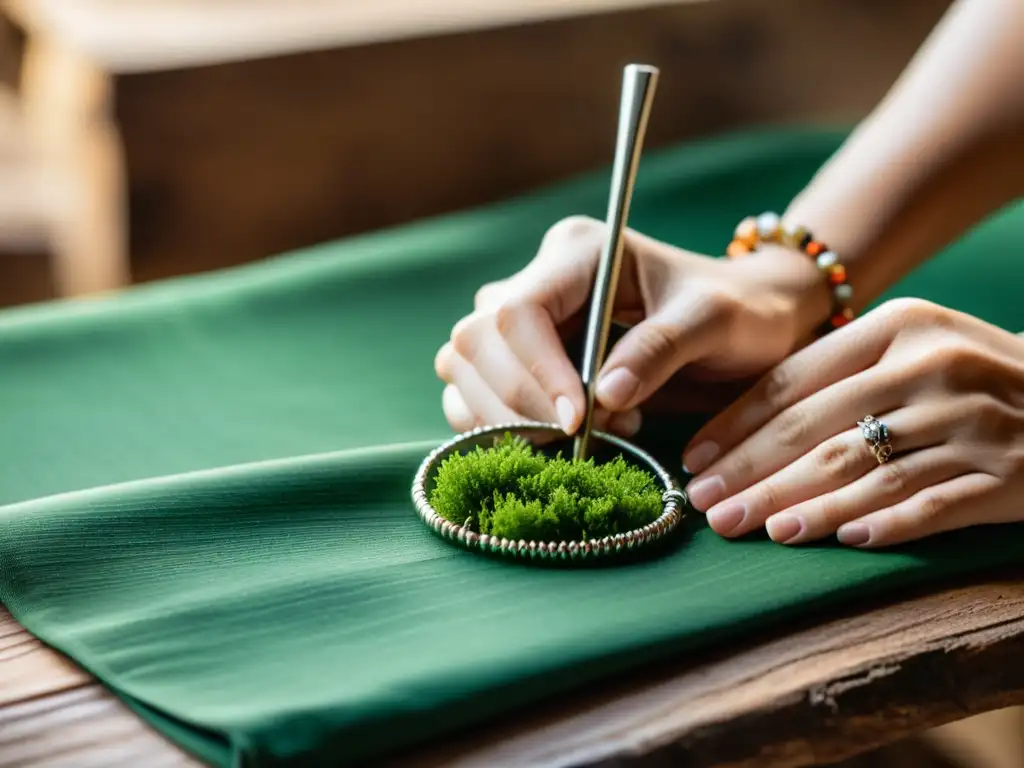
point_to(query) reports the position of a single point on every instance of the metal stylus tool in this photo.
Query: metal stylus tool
(638, 84)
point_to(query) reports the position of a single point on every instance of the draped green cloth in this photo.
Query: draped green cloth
(205, 484)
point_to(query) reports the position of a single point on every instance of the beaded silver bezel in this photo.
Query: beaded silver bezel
(573, 552)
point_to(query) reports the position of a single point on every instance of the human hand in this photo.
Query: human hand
(788, 456)
(695, 321)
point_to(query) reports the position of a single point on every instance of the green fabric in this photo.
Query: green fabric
(205, 485)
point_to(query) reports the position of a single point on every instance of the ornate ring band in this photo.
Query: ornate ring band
(877, 436)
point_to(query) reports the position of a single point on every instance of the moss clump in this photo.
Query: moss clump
(513, 492)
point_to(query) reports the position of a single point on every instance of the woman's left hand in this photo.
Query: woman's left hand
(790, 456)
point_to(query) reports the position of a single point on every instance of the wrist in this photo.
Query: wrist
(795, 285)
(798, 270)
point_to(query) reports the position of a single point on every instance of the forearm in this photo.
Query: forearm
(944, 149)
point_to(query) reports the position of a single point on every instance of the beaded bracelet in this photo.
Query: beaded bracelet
(769, 228)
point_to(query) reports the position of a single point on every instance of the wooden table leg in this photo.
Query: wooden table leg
(69, 116)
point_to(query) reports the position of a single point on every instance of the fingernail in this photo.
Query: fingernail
(627, 424)
(700, 458)
(706, 493)
(854, 534)
(566, 413)
(726, 519)
(784, 528)
(616, 388)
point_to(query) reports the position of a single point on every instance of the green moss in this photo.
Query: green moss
(515, 492)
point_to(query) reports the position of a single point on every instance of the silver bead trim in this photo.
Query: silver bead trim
(674, 500)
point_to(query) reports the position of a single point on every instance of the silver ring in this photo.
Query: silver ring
(878, 437)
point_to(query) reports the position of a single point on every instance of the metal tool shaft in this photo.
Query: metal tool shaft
(638, 85)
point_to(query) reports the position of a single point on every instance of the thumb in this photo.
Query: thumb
(650, 354)
(559, 279)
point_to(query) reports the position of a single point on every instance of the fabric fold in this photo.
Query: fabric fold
(204, 485)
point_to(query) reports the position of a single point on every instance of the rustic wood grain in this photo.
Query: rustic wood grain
(829, 688)
(28, 669)
(812, 694)
(84, 727)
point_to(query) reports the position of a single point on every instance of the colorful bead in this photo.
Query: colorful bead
(746, 231)
(793, 235)
(768, 226)
(826, 259)
(838, 321)
(752, 232)
(814, 249)
(737, 248)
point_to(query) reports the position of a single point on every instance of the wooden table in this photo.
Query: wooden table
(256, 138)
(812, 693)
(197, 134)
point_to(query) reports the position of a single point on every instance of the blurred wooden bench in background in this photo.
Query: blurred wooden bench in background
(195, 135)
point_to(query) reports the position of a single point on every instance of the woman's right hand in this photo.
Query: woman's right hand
(696, 323)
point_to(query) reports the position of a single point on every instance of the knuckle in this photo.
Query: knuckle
(573, 228)
(947, 363)
(910, 312)
(741, 465)
(793, 428)
(516, 395)
(777, 387)
(838, 461)
(487, 294)
(539, 370)
(931, 506)
(714, 304)
(961, 354)
(991, 417)
(443, 362)
(658, 340)
(466, 336)
(508, 317)
(893, 479)
(829, 509)
(767, 497)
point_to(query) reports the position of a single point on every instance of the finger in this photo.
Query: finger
(490, 295)
(462, 418)
(652, 351)
(832, 465)
(560, 278)
(973, 499)
(885, 485)
(486, 407)
(443, 363)
(839, 355)
(797, 431)
(533, 338)
(459, 416)
(477, 341)
(625, 424)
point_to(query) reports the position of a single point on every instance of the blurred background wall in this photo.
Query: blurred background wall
(141, 139)
(147, 138)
